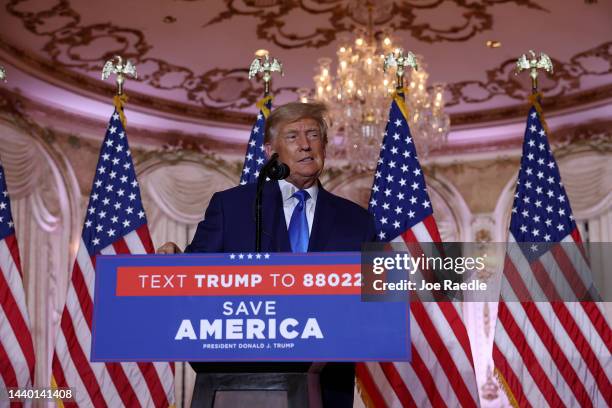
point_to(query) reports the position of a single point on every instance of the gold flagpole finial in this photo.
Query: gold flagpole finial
(401, 61)
(532, 63)
(262, 64)
(2, 74)
(116, 66)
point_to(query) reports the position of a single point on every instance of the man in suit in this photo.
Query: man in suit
(299, 215)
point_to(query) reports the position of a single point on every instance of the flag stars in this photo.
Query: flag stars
(383, 220)
(396, 224)
(141, 214)
(111, 232)
(426, 204)
(381, 235)
(126, 224)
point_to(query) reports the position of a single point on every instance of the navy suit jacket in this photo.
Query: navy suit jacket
(229, 223)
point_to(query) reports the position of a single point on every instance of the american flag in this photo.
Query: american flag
(16, 347)
(115, 223)
(255, 155)
(547, 353)
(442, 370)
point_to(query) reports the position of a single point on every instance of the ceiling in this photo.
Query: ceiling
(192, 56)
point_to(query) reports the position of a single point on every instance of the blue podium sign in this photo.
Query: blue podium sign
(242, 307)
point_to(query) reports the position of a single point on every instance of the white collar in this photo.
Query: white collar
(287, 190)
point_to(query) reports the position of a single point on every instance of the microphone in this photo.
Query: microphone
(275, 169)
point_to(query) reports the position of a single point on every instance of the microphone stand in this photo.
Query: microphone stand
(275, 171)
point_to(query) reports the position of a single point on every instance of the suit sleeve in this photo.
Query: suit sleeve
(209, 234)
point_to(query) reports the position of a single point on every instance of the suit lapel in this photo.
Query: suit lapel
(274, 237)
(323, 222)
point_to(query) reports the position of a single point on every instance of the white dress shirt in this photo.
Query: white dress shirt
(289, 203)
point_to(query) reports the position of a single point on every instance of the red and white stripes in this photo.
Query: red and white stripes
(552, 353)
(104, 384)
(441, 373)
(16, 346)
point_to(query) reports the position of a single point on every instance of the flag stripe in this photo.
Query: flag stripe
(445, 359)
(556, 353)
(17, 357)
(370, 388)
(15, 332)
(81, 363)
(397, 382)
(7, 371)
(517, 337)
(586, 347)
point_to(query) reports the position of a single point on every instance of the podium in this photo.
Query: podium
(250, 325)
(265, 385)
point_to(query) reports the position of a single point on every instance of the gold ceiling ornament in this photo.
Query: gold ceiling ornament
(116, 66)
(360, 93)
(533, 64)
(2, 74)
(263, 65)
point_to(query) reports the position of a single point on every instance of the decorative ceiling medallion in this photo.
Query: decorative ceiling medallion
(469, 18)
(502, 81)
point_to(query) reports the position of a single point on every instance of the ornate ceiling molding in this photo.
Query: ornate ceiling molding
(502, 81)
(217, 94)
(69, 44)
(342, 16)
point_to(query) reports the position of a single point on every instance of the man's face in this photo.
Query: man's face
(300, 145)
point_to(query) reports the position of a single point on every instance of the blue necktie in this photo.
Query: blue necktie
(298, 226)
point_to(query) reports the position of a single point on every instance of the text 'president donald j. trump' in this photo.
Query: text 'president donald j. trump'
(299, 215)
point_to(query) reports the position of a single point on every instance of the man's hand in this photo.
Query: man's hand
(169, 248)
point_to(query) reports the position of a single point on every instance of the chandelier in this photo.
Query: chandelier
(359, 96)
